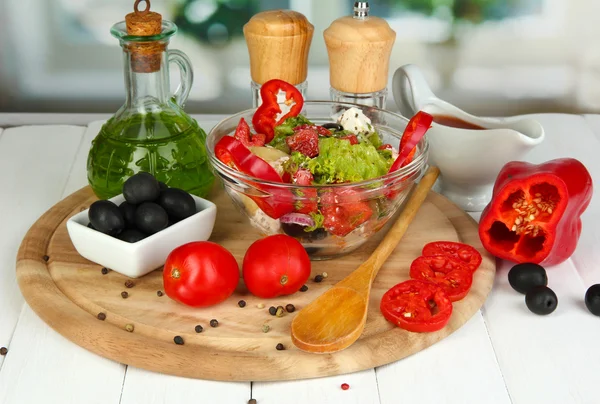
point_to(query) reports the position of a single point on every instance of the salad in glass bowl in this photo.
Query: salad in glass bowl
(326, 173)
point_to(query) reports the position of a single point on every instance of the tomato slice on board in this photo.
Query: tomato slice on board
(450, 274)
(414, 132)
(417, 306)
(463, 252)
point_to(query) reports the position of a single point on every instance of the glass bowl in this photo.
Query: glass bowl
(371, 203)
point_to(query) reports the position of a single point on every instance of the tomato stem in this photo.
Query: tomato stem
(175, 274)
(283, 280)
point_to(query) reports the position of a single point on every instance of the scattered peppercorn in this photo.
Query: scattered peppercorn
(324, 274)
(124, 295)
(101, 316)
(46, 258)
(129, 284)
(242, 303)
(290, 308)
(345, 386)
(279, 312)
(260, 306)
(178, 340)
(304, 288)
(266, 328)
(129, 327)
(214, 323)
(3, 351)
(280, 347)
(159, 293)
(272, 310)
(104, 271)
(252, 401)
(319, 278)
(199, 329)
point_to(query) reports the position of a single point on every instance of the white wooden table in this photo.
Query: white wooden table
(505, 354)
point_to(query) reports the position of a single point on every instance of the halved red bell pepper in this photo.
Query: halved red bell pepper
(534, 214)
(265, 117)
(233, 153)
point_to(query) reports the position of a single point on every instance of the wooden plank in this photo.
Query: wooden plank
(37, 353)
(553, 358)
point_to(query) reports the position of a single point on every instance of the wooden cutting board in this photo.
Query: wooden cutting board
(68, 292)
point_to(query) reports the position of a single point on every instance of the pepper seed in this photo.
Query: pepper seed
(104, 271)
(159, 293)
(319, 278)
(101, 316)
(280, 347)
(242, 303)
(304, 288)
(124, 295)
(214, 323)
(272, 310)
(129, 327)
(266, 328)
(290, 308)
(279, 312)
(46, 258)
(129, 284)
(324, 274)
(178, 340)
(199, 329)
(3, 351)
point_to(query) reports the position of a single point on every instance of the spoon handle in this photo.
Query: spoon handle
(392, 238)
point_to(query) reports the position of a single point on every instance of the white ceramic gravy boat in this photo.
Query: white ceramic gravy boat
(469, 159)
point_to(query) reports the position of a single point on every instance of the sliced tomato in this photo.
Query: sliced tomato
(386, 146)
(242, 133)
(463, 252)
(351, 138)
(417, 306)
(344, 211)
(450, 274)
(320, 130)
(307, 202)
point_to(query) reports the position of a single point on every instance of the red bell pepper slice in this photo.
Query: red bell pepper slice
(534, 214)
(416, 306)
(265, 117)
(465, 253)
(233, 153)
(414, 132)
(448, 273)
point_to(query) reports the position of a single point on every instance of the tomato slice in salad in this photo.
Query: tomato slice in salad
(416, 306)
(277, 201)
(414, 132)
(307, 197)
(463, 252)
(450, 274)
(242, 133)
(343, 211)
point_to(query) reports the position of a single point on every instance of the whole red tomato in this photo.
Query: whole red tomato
(200, 274)
(275, 266)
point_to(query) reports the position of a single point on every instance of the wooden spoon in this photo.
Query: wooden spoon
(337, 318)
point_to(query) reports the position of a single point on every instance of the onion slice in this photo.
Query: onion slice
(298, 218)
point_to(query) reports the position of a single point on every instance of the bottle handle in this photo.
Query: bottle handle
(186, 73)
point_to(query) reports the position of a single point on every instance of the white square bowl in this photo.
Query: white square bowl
(138, 259)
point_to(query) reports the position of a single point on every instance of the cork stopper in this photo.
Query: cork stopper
(145, 56)
(278, 43)
(359, 49)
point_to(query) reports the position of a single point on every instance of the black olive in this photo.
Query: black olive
(106, 217)
(91, 226)
(541, 300)
(131, 235)
(141, 187)
(297, 231)
(333, 126)
(524, 277)
(162, 186)
(151, 218)
(592, 299)
(128, 211)
(178, 203)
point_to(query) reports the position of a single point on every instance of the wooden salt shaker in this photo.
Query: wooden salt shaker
(359, 49)
(278, 43)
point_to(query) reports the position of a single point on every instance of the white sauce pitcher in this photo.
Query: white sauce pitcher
(469, 159)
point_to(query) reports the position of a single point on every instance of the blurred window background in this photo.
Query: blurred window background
(490, 57)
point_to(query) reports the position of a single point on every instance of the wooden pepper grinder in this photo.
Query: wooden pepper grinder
(278, 43)
(359, 49)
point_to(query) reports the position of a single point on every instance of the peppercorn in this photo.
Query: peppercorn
(3, 351)
(266, 328)
(129, 327)
(129, 284)
(124, 295)
(272, 310)
(242, 303)
(159, 293)
(279, 312)
(101, 316)
(214, 323)
(304, 288)
(252, 401)
(199, 329)
(104, 271)
(46, 258)
(178, 340)
(280, 347)
(260, 306)
(319, 278)
(345, 386)
(290, 308)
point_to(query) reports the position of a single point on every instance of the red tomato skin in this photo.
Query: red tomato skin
(275, 266)
(208, 274)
